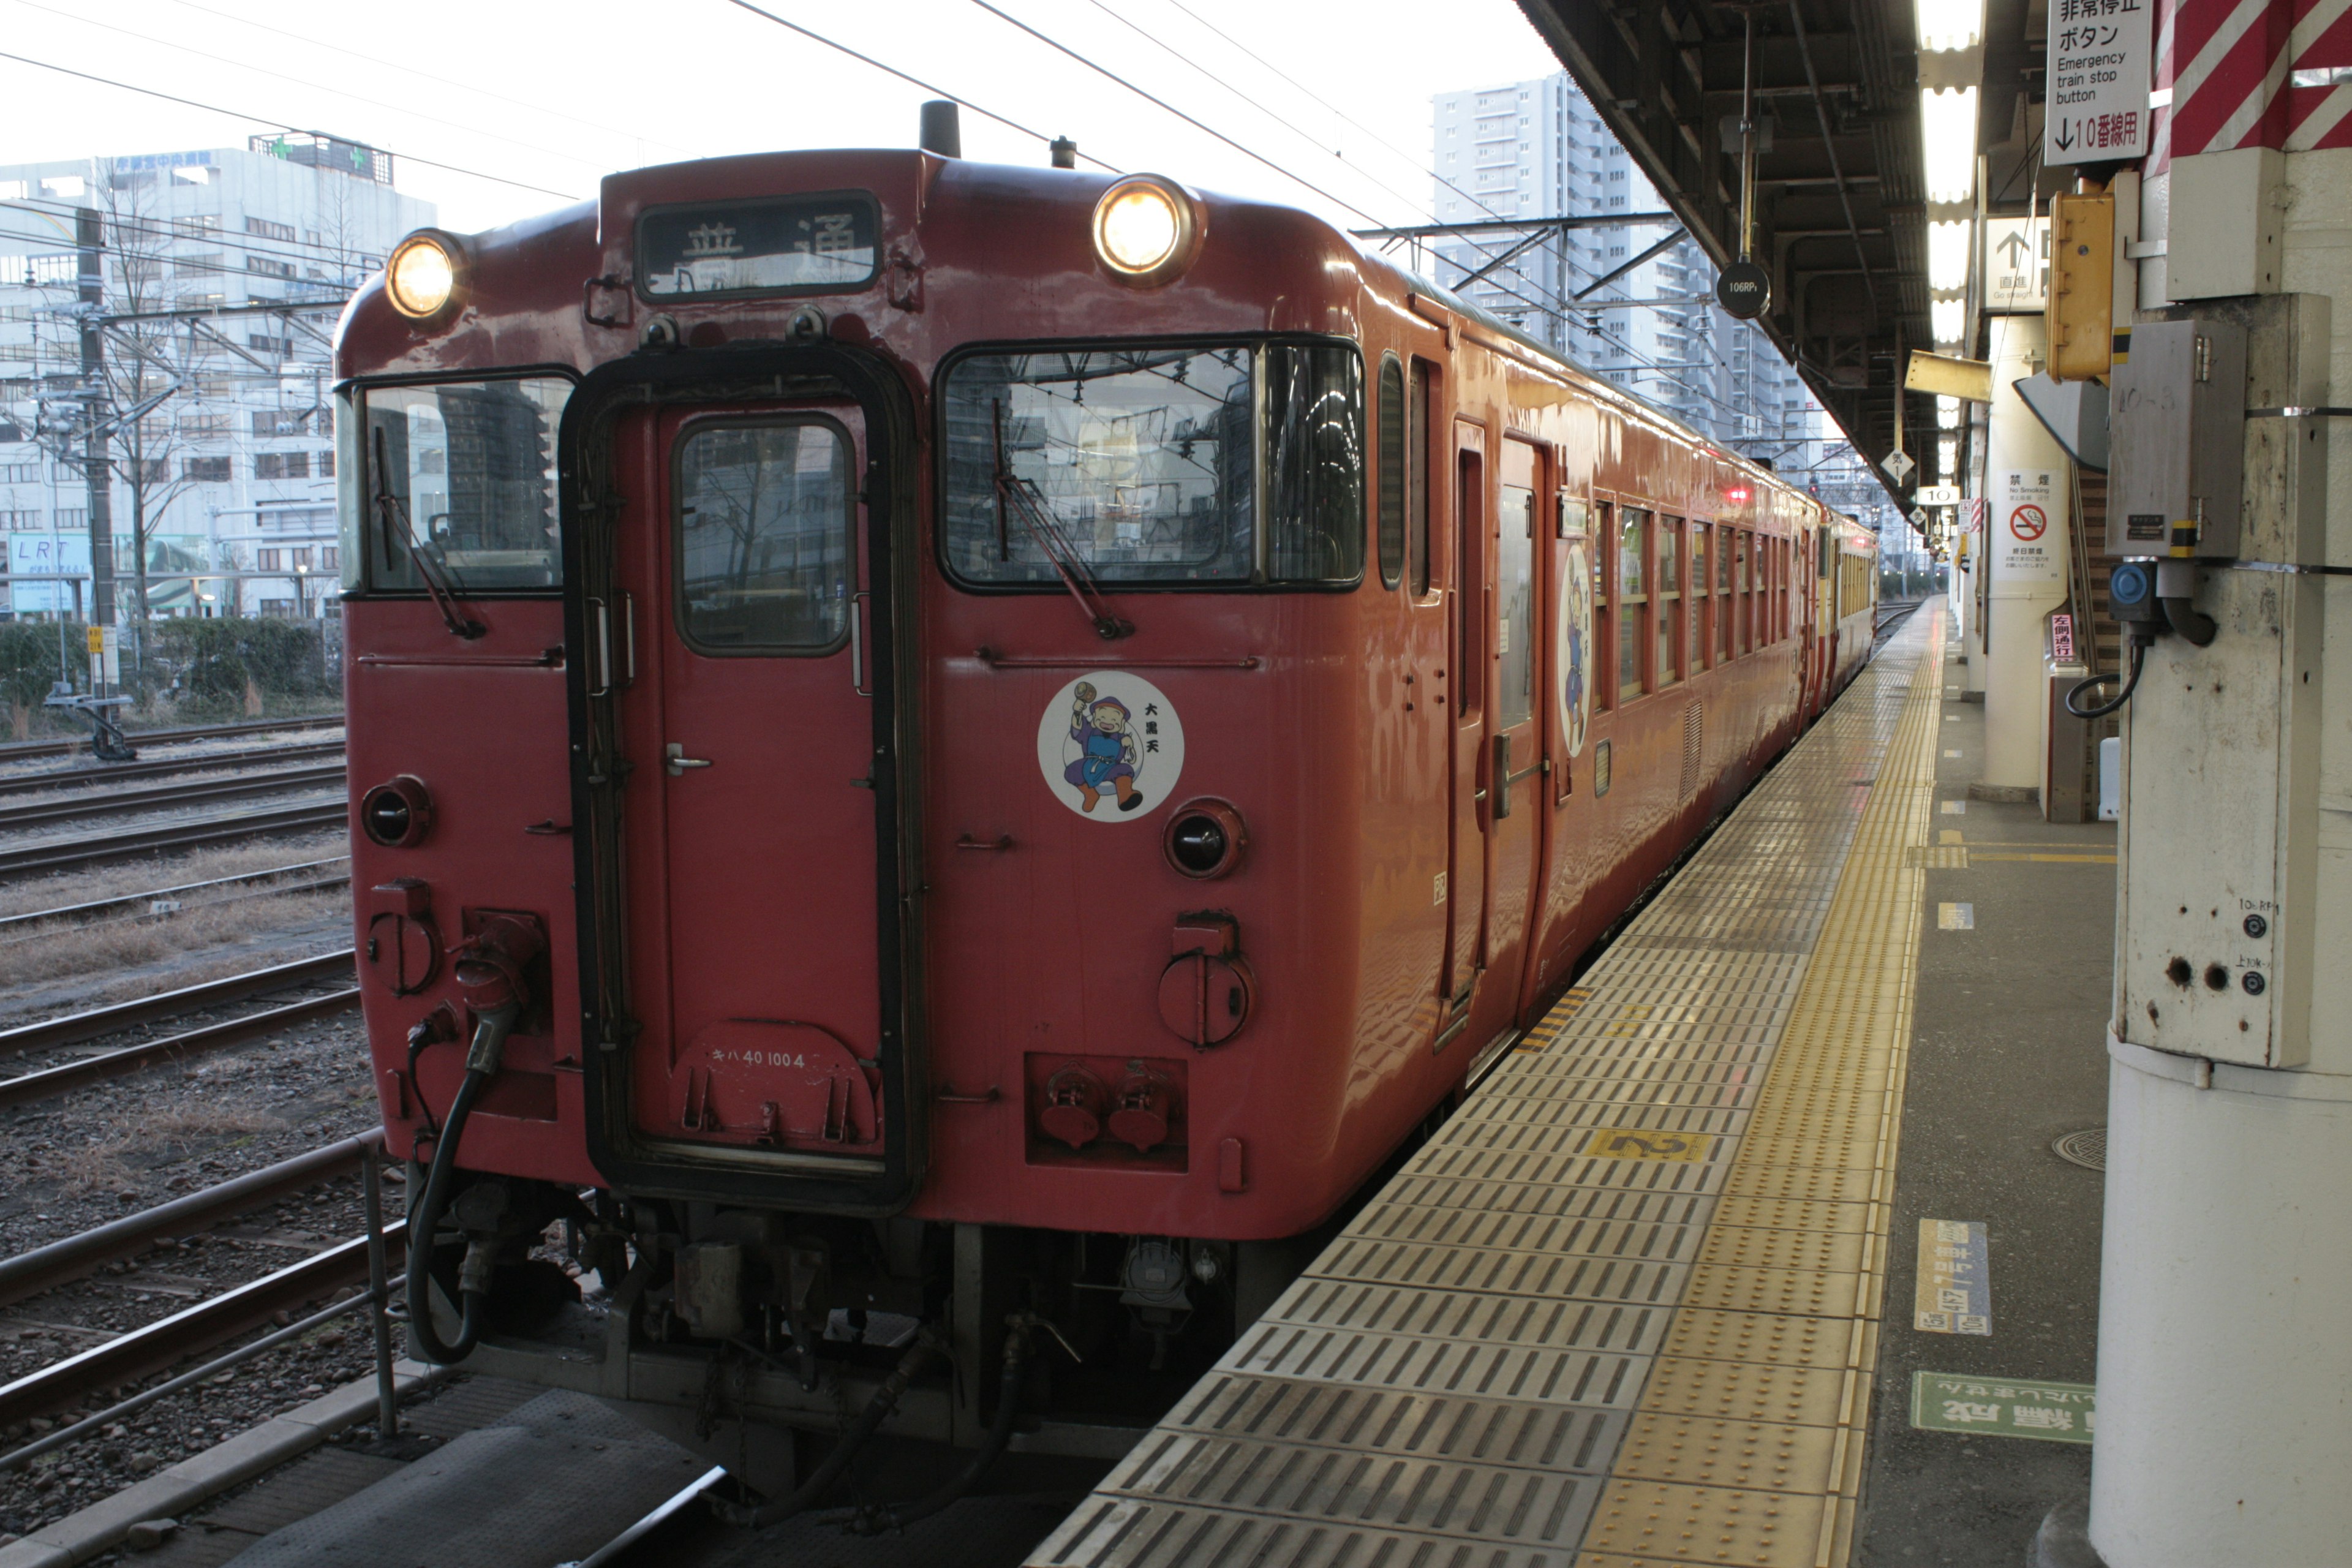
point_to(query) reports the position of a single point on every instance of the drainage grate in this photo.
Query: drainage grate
(2087, 1148)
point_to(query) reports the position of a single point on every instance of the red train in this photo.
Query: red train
(938, 745)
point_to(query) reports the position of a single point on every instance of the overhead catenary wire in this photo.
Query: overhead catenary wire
(337, 91)
(279, 124)
(815, 37)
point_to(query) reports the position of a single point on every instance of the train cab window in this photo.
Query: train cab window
(1391, 457)
(1515, 589)
(456, 481)
(763, 537)
(1138, 465)
(1631, 599)
(1667, 608)
(1416, 483)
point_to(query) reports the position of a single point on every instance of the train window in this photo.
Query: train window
(1632, 599)
(764, 556)
(1136, 465)
(1416, 487)
(1744, 587)
(1726, 606)
(1667, 609)
(1314, 463)
(1698, 602)
(1393, 469)
(458, 482)
(1515, 585)
(1604, 691)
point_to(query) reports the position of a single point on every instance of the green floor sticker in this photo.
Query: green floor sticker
(2004, 1407)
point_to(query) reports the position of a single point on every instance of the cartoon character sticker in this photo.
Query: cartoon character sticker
(1110, 745)
(1575, 658)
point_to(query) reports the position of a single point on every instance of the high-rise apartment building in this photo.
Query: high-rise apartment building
(220, 272)
(1538, 149)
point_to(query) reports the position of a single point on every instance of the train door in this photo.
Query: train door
(1471, 616)
(750, 818)
(1517, 806)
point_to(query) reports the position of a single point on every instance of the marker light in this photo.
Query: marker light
(422, 276)
(1146, 230)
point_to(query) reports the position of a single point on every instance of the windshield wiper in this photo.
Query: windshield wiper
(391, 514)
(1021, 499)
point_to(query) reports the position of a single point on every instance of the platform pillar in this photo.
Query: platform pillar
(2225, 1344)
(2025, 549)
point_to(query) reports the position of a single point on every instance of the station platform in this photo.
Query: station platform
(1627, 1306)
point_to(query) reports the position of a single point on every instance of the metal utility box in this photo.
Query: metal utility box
(2177, 419)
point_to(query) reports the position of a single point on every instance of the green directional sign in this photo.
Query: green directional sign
(2004, 1408)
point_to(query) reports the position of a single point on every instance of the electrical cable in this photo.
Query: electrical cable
(282, 125)
(816, 36)
(375, 63)
(596, 164)
(2130, 681)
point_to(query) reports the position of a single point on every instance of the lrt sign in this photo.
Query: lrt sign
(2100, 52)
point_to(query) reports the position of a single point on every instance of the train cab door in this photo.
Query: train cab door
(750, 822)
(1470, 614)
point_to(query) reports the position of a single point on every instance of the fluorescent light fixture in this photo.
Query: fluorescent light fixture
(1946, 25)
(1948, 458)
(1948, 414)
(1948, 253)
(1947, 142)
(1947, 316)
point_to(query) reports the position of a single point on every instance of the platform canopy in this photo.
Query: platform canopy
(1840, 221)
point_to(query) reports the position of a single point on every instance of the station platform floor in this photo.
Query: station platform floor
(1653, 1293)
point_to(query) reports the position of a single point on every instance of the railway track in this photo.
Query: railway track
(169, 797)
(157, 903)
(77, 1379)
(21, 751)
(42, 1082)
(229, 828)
(124, 772)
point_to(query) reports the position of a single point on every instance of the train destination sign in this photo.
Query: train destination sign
(2099, 54)
(757, 247)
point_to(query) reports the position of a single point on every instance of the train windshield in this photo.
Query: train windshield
(1143, 465)
(456, 482)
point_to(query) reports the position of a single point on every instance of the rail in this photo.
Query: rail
(168, 797)
(235, 827)
(119, 773)
(75, 1027)
(92, 910)
(16, 750)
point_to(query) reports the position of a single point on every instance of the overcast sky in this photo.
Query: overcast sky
(553, 95)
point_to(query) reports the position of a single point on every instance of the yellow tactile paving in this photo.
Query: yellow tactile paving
(1839, 1248)
(1750, 1455)
(1705, 1524)
(1784, 1332)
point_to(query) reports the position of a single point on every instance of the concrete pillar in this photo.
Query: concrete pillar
(2028, 490)
(2225, 1431)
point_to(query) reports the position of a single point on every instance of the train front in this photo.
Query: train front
(871, 733)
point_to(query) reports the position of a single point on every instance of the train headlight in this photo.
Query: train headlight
(1146, 230)
(423, 274)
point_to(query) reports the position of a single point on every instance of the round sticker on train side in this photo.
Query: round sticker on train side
(1111, 746)
(1574, 660)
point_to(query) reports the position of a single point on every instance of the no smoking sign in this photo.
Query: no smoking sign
(2028, 522)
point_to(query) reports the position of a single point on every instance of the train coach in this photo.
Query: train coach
(948, 758)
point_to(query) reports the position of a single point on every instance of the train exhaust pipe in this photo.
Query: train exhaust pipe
(943, 130)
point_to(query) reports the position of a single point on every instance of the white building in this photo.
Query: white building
(223, 272)
(1538, 149)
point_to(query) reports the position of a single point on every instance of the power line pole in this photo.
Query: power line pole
(90, 243)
